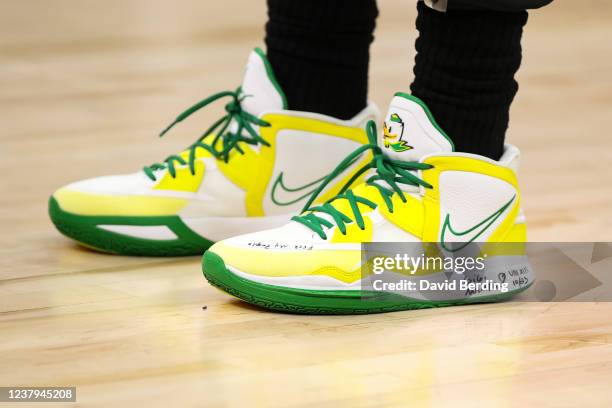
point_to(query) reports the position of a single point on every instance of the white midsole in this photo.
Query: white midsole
(155, 232)
(515, 271)
(211, 228)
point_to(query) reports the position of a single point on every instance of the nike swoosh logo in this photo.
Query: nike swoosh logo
(471, 233)
(291, 192)
(294, 194)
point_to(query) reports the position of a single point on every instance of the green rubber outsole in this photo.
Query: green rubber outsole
(84, 229)
(301, 301)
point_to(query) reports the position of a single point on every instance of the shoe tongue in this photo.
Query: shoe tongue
(410, 131)
(262, 91)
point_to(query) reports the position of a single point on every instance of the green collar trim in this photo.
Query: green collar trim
(429, 115)
(272, 76)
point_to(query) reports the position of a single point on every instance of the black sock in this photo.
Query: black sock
(320, 51)
(464, 71)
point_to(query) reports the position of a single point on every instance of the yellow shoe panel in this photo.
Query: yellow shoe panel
(183, 179)
(409, 216)
(81, 203)
(342, 265)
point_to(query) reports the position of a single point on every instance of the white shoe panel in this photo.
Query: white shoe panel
(259, 92)
(468, 199)
(302, 159)
(216, 197)
(124, 184)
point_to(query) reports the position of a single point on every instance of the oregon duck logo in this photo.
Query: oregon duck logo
(393, 132)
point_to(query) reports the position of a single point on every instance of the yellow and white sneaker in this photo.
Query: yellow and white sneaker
(420, 191)
(251, 170)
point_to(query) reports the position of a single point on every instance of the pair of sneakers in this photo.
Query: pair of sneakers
(282, 219)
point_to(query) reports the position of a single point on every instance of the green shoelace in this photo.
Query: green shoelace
(392, 172)
(223, 142)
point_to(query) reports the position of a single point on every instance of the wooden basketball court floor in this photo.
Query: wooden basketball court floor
(84, 88)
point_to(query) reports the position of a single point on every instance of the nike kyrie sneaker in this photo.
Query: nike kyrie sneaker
(419, 192)
(251, 170)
